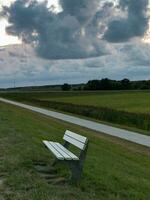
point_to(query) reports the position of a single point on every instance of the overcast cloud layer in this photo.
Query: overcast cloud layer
(97, 38)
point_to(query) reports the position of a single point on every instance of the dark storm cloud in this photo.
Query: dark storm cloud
(68, 34)
(78, 30)
(27, 18)
(134, 24)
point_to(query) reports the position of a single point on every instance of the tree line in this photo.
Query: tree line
(108, 84)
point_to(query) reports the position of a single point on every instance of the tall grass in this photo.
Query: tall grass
(112, 115)
(138, 120)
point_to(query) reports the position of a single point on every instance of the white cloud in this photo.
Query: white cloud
(21, 63)
(124, 60)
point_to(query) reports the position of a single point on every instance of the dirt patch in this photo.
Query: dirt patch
(2, 179)
(57, 181)
(48, 173)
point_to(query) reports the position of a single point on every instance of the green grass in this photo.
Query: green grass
(134, 102)
(114, 169)
(121, 108)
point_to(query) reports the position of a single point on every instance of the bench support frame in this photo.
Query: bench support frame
(75, 166)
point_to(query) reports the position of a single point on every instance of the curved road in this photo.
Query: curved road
(117, 132)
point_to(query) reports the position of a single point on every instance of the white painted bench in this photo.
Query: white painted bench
(62, 153)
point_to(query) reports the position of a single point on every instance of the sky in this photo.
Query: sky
(4, 38)
(73, 41)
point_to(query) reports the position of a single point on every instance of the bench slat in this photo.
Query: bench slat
(74, 157)
(73, 141)
(54, 151)
(78, 137)
(63, 153)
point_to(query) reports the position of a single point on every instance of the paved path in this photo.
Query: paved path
(117, 132)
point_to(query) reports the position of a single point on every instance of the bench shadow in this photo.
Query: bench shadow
(48, 173)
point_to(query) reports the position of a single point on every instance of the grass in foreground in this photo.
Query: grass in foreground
(114, 169)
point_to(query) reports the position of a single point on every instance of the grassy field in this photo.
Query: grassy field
(130, 101)
(134, 102)
(114, 169)
(122, 108)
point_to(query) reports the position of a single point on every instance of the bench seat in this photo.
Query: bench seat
(60, 151)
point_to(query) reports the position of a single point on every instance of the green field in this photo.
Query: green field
(128, 109)
(134, 102)
(114, 169)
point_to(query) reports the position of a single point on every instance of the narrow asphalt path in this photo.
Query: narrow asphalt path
(109, 130)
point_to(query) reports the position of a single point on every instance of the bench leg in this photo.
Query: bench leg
(55, 162)
(76, 169)
(76, 172)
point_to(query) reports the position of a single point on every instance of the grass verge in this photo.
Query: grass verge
(114, 169)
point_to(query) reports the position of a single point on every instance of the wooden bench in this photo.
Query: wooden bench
(62, 153)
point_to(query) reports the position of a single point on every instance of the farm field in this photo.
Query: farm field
(128, 109)
(132, 101)
(114, 169)
(137, 102)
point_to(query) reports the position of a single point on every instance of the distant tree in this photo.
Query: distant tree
(108, 84)
(125, 84)
(66, 87)
(93, 85)
(79, 88)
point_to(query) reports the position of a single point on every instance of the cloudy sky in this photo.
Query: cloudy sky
(73, 41)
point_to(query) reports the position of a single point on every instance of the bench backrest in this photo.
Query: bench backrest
(75, 139)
